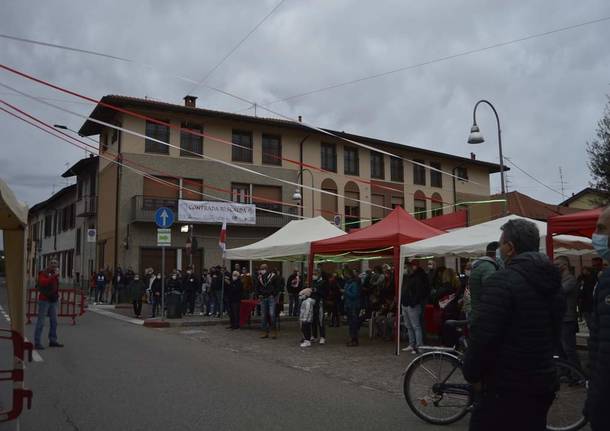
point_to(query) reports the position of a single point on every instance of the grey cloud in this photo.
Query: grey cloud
(548, 91)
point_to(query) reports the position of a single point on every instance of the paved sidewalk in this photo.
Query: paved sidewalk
(372, 365)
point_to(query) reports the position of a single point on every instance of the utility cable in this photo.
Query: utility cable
(213, 69)
(532, 177)
(88, 147)
(242, 168)
(440, 59)
(84, 146)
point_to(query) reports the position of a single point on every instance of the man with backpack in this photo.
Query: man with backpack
(48, 295)
(514, 335)
(482, 268)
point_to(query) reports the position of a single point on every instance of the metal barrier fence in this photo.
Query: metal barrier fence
(71, 304)
(16, 374)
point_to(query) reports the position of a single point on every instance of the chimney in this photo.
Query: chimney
(190, 101)
(473, 156)
(300, 119)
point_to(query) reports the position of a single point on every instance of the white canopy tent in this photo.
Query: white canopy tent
(471, 241)
(292, 242)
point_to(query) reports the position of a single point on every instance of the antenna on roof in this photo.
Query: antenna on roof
(562, 182)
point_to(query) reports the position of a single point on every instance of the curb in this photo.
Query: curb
(175, 323)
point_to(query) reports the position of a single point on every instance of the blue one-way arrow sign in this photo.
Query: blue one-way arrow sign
(164, 217)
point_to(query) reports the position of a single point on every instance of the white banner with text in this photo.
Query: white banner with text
(216, 212)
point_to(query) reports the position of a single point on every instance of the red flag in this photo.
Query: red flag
(222, 240)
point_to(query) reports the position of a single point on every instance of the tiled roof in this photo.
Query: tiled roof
(68, 189)
(587, 190)
(526, 206)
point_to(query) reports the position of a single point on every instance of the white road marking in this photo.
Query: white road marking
(35, 355)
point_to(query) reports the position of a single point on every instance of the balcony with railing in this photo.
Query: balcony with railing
(86, 206)
(143, 210)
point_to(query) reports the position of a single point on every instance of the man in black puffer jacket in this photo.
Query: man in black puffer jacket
(599, 344)
(514, 336)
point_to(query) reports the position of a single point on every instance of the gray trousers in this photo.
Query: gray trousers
(568, 342)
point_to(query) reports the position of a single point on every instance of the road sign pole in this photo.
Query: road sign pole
(164, 218)
(162, 282)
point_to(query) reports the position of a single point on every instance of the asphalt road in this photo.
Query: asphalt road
(112, 375)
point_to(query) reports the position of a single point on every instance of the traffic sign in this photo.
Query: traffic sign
(91, 234)
(164, 237)
(164, 217)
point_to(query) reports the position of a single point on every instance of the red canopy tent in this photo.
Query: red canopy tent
(580, 224)
(382, 238)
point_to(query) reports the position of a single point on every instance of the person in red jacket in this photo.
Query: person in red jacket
(48, 287)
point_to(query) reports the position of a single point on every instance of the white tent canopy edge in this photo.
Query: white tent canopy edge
(291, 242)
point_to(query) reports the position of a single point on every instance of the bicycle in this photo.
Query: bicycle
(436, 391)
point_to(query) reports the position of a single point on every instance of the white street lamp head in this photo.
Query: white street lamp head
(475, 136)
(297, 195)
(184, 228)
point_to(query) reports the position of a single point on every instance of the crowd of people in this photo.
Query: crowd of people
(522, 310)
(346, 295)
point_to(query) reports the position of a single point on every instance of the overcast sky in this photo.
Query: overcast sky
(549, 92)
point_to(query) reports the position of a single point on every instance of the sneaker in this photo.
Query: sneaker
(414, 352)
(306, 343)
(314, 340)
(56, 344)
(408, 349)
(39, 347)
(322, 340)
(201, 313)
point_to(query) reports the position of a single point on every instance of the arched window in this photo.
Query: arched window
(437, 205)
(419, 205)
(352, 206)
(330, 206)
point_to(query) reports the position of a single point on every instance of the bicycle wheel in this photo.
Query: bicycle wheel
(565, 413)
(435, 389)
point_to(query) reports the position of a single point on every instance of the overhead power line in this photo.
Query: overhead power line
(232, 50)
(438, 60)
(154, 120)
(532, 177)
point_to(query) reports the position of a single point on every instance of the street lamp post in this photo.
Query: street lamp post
(476, 137)
(298, 193)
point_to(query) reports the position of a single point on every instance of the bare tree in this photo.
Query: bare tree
(599, 154)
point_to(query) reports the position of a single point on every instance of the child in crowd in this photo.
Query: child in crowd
(306, 315)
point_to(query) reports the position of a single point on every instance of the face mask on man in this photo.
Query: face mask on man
(136, 278)
(235, 277)
(499, 258)
(600, 244)
(159, 276)
(174, 277)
